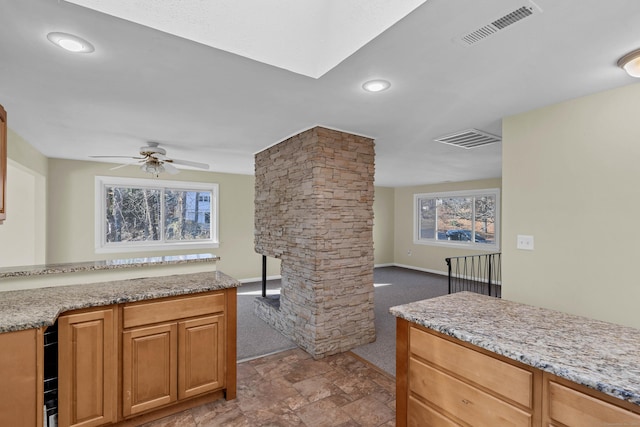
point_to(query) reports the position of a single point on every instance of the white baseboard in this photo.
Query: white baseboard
(259, 279)
(389, 264)
(426, 270)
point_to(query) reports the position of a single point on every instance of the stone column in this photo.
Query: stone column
(314, 211)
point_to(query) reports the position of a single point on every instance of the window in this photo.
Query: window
(461, 218)
(146, 214)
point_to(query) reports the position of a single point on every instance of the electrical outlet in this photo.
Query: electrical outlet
(525, 242)
(409, 253)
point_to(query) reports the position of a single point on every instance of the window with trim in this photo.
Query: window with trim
(145, 214)
(460, 218)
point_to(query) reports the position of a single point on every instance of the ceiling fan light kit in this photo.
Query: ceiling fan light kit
(152, 168)
(154, 160)
(631, 63)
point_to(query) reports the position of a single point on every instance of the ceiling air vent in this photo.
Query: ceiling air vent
(499, 24)
(470, 138)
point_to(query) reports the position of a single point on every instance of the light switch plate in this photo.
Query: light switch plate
(525, 242)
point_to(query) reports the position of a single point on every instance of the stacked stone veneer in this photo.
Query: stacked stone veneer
(314, 211)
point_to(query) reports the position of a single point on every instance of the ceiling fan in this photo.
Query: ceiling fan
(153, 160)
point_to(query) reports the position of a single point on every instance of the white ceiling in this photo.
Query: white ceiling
(210, 105)
(307, 37)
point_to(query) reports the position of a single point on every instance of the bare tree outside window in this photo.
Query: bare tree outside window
(457, 217)
(161, 215)
(132, 214)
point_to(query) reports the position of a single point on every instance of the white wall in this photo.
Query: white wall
(571, 178)
(22, 235)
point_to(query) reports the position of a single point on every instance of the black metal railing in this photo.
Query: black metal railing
(476, 273)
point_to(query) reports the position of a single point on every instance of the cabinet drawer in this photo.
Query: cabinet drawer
(574, 408)
(509, 381)
(164, 310)
(468, 403)
(422, 415)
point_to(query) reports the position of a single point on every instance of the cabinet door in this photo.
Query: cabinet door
(201, 355)
(3, 163)
(21, 378)
(149, 368)
(87, 368)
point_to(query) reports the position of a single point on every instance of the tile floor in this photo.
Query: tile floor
(292, 389)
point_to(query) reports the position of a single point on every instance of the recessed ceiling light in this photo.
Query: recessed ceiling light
(70, 42)
(376, 85)
(631, 63)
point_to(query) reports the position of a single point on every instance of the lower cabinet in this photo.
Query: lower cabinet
(444, 382)
(172, 349)
(452, 385)
(201, 357)
(569, 404)
(87, 368)
(128, 363)
(21, 379)
(149, 368)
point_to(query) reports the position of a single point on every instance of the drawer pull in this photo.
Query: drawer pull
(466, 402)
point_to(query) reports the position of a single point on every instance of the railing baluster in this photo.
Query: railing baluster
(474, 272)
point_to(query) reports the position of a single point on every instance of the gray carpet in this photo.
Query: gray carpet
(255, 337)
(393, 286)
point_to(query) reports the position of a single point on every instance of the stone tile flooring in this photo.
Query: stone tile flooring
(292, 389)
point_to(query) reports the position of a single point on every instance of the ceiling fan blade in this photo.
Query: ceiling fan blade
(170, 169)
(116, 157)
(121, 166)
(188, 163)
(158, 156)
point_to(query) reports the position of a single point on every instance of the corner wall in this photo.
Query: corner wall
(23, 233)
(571, 173)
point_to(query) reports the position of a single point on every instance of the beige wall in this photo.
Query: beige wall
(426, 257)
(383, 214)
(571, 176)
(57, 197)
(71, 216)
(23, 233)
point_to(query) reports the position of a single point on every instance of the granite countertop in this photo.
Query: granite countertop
(34, 308)
(599, 355)
(39, 270)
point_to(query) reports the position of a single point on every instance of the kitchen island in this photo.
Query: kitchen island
(471, 360)
(127, 351)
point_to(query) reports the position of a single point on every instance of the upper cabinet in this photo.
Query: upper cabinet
(3, 163)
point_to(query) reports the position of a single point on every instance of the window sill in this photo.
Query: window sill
(144, 248)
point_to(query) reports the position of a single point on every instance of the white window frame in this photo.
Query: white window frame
(495, 192)
(102, 246)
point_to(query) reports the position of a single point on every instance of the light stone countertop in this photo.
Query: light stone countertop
(600, 355)
(40, 270)
(34, 308)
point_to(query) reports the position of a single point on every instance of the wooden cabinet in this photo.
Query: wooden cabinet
(445, 382)
(87, 368)
(3, 164)
(450, 384)
(149, 368)
(21, 374)
(124, 364)
(201, 358)
(573, 405)
(173, 349)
